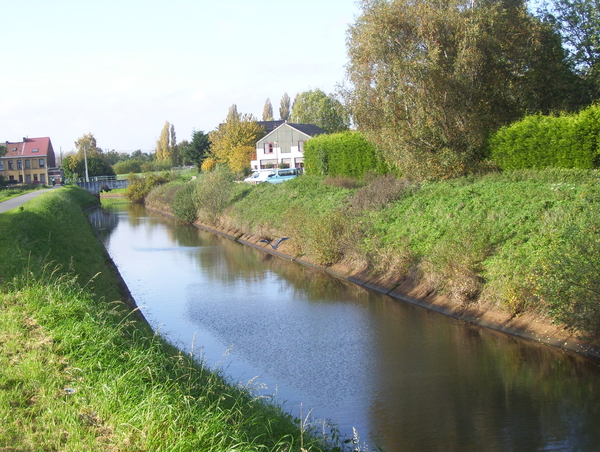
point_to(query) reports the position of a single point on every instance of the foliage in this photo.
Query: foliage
(284, 107)
(97, 164)
(341, 154)
(128, 166)
(74, 166)
(430, 80)
(166, 146)
(140, 187)
(3, 150)
(568, 141)
(185, 204)
(234, 142)
(317, 108)
(208, 164)
(197, 150)
(267, 114)
(578, 22)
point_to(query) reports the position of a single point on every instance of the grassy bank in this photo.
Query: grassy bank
(79, 371)
(521, 241)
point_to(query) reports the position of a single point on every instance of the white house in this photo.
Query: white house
(284, 146)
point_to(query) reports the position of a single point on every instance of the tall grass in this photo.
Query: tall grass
(79, 371)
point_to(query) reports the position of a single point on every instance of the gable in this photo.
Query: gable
(289, 133)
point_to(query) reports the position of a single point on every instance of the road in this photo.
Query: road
(13, 203)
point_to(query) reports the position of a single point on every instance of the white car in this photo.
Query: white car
(258, 177)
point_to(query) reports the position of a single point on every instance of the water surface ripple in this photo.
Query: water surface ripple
(406, 378)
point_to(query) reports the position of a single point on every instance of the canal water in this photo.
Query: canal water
(405, 378)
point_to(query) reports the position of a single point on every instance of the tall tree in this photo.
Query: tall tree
(316, 107)
(430, 80)
(285, 107)
(234, 142)
(268, 111)
(578, 22)
(163, 144)
(232, 114)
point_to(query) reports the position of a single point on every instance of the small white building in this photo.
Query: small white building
(284, 146)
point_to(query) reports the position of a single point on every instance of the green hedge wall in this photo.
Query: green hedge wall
(341, 154)
(566, 141)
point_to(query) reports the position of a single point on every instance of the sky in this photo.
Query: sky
(120, 69)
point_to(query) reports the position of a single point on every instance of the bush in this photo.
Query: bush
(128, 166)
(185, 204)
(140, 187)
(567, 141)
(342, 154)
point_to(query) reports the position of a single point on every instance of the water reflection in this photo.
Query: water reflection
(405, 377)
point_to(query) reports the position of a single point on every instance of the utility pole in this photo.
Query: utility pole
(87, 177)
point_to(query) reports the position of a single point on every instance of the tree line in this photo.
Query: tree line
(428, 84)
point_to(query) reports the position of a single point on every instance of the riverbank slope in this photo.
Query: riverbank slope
(79, 370)
(515, 251)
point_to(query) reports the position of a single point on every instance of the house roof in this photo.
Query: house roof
(308, 129)
(30, 147)
(270, 125)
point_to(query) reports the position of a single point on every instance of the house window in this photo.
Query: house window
(11, 177)
(43, 178)
(35, 150)
(20, 178)
(269, 148)
(27, 164)
(35, 177)
(301, 146)
(28, 178)
(1, 165)
(19, 164)
(41, 163)
(10, 164)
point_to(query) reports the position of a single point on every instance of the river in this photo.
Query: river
(405, 378)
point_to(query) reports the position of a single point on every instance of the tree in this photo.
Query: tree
(429, 81)
(284, 107)
(163, 152)
(268, 111)
(578, 22)
(197, 149)
(87, 148)
(87, 145)
(317, 108)
(234, 142)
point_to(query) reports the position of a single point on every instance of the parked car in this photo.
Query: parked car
(282, 174)
(258, 176)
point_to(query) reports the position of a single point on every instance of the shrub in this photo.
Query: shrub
(567, 141)
(342, 154)
(128, 166)
(140, 187)
(185, 204)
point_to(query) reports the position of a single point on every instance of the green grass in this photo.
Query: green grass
(14, 191)
(80, 371)
(521, 240)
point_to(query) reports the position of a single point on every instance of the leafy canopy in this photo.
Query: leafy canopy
(428, 81)
(317, 108)
(234, 142)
